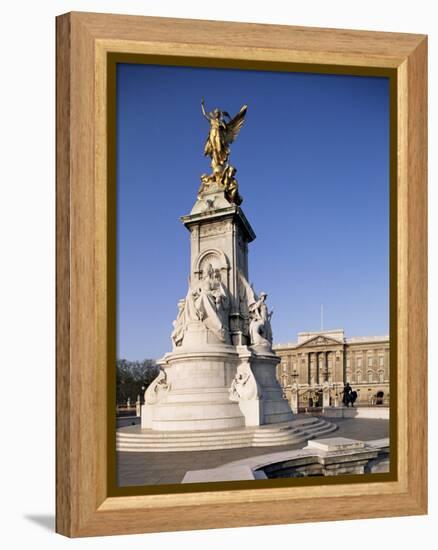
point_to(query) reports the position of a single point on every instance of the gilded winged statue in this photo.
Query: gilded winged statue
(223, 131)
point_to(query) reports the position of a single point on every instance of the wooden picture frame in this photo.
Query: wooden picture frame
(85, 43)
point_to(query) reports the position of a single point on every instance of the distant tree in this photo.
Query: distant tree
(132, 376)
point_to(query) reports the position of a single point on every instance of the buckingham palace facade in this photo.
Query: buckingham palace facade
(329, 359)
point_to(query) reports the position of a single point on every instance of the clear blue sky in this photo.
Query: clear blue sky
(313, 168)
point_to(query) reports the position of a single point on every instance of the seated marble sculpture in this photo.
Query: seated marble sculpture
(207, 301)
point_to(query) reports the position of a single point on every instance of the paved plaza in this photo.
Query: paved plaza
(136, 468)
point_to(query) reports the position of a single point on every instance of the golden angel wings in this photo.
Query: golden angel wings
(235, 124)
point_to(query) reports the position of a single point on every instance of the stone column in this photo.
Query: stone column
(343, 360)
(309, 367)
(313, 369)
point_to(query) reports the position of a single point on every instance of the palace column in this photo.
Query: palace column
(343, 362)
(341, 374)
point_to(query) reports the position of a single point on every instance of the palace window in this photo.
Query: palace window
(380, 360)
(370, 361)
(359, 362)
(358, 376)
(370, 376)
(381, 375)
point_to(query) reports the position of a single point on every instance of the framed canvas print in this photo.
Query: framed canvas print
(241, 274)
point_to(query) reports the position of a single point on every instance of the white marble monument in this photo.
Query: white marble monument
(221, 372)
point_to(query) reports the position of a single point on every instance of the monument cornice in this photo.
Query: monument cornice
(233, 212)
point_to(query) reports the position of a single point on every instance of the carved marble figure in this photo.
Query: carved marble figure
(157, 389)
(244, 385)
(180, 324)
(207, 301)
(260, 325)
(256, 312)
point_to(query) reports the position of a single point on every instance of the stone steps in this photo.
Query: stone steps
(134, 433)
(291, 439)
(200, 446)
(134, 439)
(190, 441)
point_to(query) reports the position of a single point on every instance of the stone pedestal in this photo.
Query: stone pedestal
(256, 388)
(218, 388)
(221, 373)
(193, 394)
(219, 237)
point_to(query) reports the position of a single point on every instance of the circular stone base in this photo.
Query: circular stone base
(136, 439)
